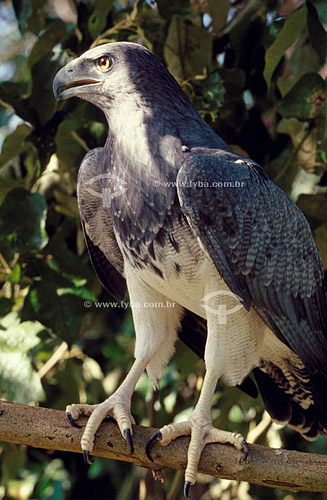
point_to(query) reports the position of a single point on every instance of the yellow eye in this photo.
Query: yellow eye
(104, 63)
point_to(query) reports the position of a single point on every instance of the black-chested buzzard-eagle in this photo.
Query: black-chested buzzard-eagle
(170, 213)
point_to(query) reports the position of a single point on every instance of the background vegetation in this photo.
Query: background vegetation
(255, 70)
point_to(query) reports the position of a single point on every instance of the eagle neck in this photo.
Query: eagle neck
(149, 146)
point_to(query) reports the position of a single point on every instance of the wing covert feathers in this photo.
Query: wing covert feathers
(263, 248)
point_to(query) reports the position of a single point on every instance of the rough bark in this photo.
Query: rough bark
(45, 428)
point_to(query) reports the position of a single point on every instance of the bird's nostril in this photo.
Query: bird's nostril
(70, 70)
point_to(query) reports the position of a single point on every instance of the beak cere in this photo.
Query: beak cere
(65, 87)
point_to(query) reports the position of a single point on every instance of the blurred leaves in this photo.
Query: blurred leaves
(16, 339)
(218, 10)
(30, 14)
(187, 49)
(208, 95)
(14, 96)
(14, 144)
(304, 139)
(54, 33)
(170, 8)
(321, 240)
(307, 101)
(23, 226)
(98, 19)
(314, 205)
(57, 303)
(291, 29)
(317, 33)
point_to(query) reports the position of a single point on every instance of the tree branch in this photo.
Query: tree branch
(44, 428)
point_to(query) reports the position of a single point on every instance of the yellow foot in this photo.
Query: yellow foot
(202, 433)
(115, 407)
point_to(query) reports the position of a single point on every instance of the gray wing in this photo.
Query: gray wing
(261, 245)
(101, 243)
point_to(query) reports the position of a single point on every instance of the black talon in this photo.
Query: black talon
(71, 421)
(187, 486)
(155, 437)
(128, 436)
(245, 449)
(87, 458)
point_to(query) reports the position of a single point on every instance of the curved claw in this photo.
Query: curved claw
(128, 437)
(155, 437)
(245, 449)
(87, 457)
(187, 486)
(71, 421)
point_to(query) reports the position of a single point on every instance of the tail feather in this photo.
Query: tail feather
(283, 401)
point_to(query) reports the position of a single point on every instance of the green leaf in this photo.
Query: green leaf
(321, 241)
(81, 292)
(22, 220)
(69, 151)
(31, 14)
(321, 7)
(317, 33)
(23, 11)
(208, 95)
(14, 95)
(15, 274)
(314, 205)
(14, 144)
(65, 258)
(38, 18)
(187, 49)
(292, 27)
(218, 10)
(58, 305)
(98, 19)
(72, 371)
(307, 101)
(286, 83)
(169, 8)
(304, 139)
(235, 414)
(18, 381)
(55, 33)
(303, 59)
(42, 98)
(14, 457)
(5, 306)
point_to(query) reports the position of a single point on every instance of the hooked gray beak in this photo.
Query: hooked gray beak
(67, 84)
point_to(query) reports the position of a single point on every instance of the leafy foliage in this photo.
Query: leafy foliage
(256, 72)
(16, 339)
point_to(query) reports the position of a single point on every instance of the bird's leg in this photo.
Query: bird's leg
(155, 330)
(220, 359)
(202, 432)
(117, 406)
